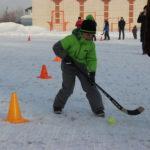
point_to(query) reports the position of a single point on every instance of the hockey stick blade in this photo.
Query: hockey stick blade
(137, 111)
(133, 112)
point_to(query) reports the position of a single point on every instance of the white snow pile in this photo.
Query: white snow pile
(15, 29)
(27, 16)
(20, 30)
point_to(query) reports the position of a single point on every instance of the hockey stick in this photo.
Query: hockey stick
(137, 111)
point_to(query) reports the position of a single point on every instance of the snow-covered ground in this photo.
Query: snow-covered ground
(122, 71)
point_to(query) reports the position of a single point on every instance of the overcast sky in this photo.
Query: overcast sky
(14, 4)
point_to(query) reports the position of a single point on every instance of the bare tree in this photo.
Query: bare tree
(5, 16)
(12, 16)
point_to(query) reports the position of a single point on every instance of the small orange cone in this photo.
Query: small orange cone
(44, 74)
(57, 59)
(14, 113)
(29, 38)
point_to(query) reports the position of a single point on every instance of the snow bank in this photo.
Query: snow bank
(11, 28)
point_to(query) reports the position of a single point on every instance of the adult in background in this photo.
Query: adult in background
(121, 27)
(142, 19)
(147, 29)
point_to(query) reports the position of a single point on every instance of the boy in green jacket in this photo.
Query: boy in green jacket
(78, 49)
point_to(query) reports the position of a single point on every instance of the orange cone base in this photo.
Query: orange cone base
(14, 113)
(21, 120)
(49, 77)
(44, 73)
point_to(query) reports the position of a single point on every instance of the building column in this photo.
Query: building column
(131, 10)
(81, 2)
(106, 9)
(57, 10)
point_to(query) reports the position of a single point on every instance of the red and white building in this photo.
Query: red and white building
(62, 14)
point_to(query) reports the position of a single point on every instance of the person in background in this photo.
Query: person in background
(78, 49)
(134, 31)
(142, 19)
(79, 22)
(121, 27)
(106, 30)
(147, 29)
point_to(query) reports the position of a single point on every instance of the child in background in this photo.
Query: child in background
(79, 22)
(134, 31)
(106, 30)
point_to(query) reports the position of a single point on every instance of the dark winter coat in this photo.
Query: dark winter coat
(141, 19)
(147, 29)
(121, 24)
(106, 27)
(134, 30)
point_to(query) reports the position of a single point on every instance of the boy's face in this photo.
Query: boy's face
(87, 36)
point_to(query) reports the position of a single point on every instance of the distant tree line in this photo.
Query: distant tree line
(11, 15)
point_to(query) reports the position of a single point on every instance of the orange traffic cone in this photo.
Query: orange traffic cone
(44, 74)
(57, 59)
(29, 38)
(14, 113)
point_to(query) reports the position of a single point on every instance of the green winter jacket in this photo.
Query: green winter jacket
(80, 50)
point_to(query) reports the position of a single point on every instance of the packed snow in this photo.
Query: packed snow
(122, 71)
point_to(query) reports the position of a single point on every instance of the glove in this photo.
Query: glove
(92, 77)
(68, 60)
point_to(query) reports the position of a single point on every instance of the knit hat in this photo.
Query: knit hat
(89, 17)
(88, 26)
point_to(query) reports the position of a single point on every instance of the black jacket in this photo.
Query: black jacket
(147, 29)
(141, 19)
(121, 24)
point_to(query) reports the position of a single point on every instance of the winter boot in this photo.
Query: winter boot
(57, 110)
(100, 113)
